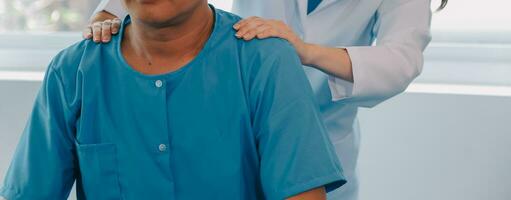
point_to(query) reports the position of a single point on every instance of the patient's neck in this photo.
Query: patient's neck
(166, 48)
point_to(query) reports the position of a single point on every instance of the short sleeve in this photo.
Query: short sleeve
(295, 151)
(43, 164)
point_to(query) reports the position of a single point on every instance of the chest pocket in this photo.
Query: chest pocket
(99, 171)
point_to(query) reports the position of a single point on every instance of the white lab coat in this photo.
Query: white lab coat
(401, 29)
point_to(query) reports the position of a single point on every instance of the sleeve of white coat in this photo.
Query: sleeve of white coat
(114, 7)
(385, 70)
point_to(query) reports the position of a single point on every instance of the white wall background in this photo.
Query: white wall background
(437, 147)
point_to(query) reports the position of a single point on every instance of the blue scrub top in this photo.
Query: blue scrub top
(237, 122)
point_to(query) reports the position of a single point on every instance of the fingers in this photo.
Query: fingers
(106, 30)
(255, 27)
(116, 24)
(248, 26)
(244, 21)
(96, 31)
(87, 32)
(102, 31)
(257, 31)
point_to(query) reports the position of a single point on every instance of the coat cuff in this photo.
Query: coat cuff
(342, 89)
(339, 88)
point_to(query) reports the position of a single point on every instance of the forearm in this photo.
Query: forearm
(333, 61)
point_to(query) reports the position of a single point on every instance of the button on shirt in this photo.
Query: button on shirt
(162, 147)
(237, 122)
(158, 83)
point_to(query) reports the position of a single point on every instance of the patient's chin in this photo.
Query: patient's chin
(155, 20)
(160, 23)
(160, 14)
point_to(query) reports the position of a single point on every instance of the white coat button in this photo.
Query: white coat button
(162, 147)
(158, 83)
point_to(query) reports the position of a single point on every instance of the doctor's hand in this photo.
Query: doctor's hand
(256, 27)
(331, 60)
(103, 25)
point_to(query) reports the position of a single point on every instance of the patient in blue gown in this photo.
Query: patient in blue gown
(175, 107)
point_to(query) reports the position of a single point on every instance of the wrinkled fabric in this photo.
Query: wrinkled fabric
(237, 122)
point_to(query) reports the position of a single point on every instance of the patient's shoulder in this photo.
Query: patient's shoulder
(72, 56)
(73, 62)
(267, 53)
(268, 59)
(78, 57)
(271, 47)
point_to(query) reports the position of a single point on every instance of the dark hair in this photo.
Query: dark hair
(442, 5)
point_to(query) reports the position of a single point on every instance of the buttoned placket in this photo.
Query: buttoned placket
(161, 110)
(163, 148)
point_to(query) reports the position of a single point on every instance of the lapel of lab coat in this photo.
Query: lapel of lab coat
(302, 12)
(302, 5)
